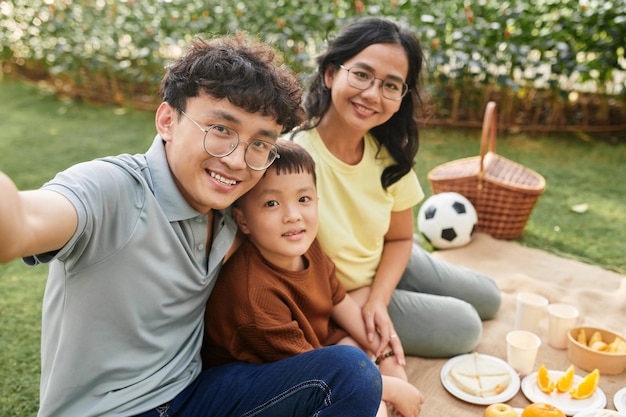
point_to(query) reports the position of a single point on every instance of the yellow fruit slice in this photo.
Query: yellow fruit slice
(582, 337)
(587, 387)
(617, 346)
(543, 380)
(598, 345)
(566, 380)
(595, 337)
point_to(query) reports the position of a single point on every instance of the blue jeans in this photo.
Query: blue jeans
(332, 381)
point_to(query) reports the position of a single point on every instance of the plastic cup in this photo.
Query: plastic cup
(521, 350)
(561, 319)
(530, 310)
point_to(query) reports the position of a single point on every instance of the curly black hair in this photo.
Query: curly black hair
(247, 72)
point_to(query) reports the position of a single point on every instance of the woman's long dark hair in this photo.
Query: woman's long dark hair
(399, 134)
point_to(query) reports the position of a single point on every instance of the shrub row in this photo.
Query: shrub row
(552, 64)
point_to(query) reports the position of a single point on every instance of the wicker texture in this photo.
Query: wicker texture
(503, 192)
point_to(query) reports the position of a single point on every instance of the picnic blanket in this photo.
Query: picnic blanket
(600, 295)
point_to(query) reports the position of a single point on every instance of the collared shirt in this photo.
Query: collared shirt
(124, 303)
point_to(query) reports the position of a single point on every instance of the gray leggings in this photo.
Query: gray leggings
(437, 308)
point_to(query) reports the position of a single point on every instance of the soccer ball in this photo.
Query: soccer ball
(447, 220)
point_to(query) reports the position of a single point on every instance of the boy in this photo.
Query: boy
(276, 295)
(135, 243)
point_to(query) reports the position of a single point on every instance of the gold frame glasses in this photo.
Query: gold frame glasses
(222, 141)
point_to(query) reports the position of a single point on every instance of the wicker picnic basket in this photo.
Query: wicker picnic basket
(503, 192)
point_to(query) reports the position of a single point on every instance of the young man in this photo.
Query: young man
(276, 295)
(135, 243)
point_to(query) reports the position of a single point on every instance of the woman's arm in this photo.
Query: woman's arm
(393, 262)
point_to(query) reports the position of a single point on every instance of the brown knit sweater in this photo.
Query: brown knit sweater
(260, 313)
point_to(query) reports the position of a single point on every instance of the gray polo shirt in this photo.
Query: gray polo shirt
(123, 308)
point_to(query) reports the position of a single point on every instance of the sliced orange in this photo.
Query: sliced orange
(565, 382)
(542, 410)
(543, 380)
(587, 387)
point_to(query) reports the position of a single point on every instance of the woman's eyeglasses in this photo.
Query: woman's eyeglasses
(362, 79)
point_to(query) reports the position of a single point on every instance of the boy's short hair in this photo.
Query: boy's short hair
(248, 73)
(293, 159)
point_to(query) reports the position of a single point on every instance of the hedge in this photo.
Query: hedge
(551, 64)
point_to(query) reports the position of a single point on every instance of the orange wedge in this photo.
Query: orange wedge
(566, 380)
(587, 387)
(543, 380)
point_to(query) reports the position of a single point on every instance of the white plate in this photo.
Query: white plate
(619, 401)
(562, 400)
(504, 396)
(593, 413)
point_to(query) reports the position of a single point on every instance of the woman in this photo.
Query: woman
(362, 133)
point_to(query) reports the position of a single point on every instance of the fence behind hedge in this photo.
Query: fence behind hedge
(551, 64)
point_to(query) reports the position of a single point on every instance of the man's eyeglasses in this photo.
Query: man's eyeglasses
(220, 141)
(363, 79)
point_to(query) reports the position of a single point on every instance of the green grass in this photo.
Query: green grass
(577, 169)
(40, 135)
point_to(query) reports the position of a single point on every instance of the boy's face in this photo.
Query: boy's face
(207, 182)
(280, 216)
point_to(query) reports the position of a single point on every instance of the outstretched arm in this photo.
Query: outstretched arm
(33, 222)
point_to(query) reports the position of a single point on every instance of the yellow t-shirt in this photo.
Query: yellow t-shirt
(354, 209)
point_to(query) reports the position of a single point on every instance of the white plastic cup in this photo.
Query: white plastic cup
(521, 350)
(561, 319)
(530, 310)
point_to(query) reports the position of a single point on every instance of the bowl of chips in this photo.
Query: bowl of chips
(592, 348)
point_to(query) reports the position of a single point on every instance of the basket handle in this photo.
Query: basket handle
(488, 136)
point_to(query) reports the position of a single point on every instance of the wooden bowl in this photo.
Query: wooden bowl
(589, 359)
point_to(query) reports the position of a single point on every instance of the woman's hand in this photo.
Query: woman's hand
(378, 322)
(390, 367)
(378, 325)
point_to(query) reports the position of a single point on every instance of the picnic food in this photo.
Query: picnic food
(542, 410)
(543, 380)
(587, 387)
(499, 410)
(480, 376)
(616, 346)
(566, 381)
(595, 337)
(595, 342)
(610, 361)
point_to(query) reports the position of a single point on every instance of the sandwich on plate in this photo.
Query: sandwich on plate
(480, 376)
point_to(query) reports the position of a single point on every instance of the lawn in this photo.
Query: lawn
(41, 135)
